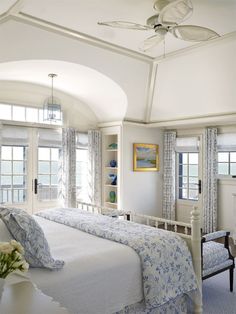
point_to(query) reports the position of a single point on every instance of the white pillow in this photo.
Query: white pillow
(31, 236)
(5, 235)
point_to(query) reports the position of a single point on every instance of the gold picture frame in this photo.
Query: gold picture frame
(146, 157)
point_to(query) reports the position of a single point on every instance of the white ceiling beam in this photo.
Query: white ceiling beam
(13, 9)
(150, 91)
(67, 32)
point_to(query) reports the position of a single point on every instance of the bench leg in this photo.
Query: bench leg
(231, 279)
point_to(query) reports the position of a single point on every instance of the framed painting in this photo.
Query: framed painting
(146, 157)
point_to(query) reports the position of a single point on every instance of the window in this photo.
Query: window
(23, 114)
(13, 174)
(48, 168)
(82, 174)
(82, 167)
(227, 163)
(188, 176)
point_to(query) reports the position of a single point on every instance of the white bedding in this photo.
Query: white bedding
(99, 276)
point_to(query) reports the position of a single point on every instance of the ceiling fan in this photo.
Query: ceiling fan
(170, 13)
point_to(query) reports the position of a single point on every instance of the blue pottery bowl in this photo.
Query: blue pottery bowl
(113, 163)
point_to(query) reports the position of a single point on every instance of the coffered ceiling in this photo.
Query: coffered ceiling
(82, 16)
(67, 31)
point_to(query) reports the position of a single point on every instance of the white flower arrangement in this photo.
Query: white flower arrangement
(11, 258)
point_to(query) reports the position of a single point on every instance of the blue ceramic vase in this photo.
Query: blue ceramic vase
(113, 178)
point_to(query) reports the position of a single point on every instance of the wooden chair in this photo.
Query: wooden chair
(216, 257)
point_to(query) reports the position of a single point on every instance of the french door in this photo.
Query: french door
(30, 171)
(188, 183)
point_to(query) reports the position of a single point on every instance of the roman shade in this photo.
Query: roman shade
(187, 144)
(226, 142)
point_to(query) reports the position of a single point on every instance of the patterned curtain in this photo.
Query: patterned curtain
(169, 193)
(210, 181)
(95, 166)
(68, 168)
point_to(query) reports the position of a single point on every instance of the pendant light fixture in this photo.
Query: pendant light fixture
(52, 108)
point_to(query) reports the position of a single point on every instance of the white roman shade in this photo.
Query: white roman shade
(14, 135)
(50, 137)
(187, 144)
(226, 142)
(82, 140)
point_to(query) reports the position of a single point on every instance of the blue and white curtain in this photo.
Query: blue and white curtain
(95, 166)
(169, 189)
(68, 167)
(210, 181)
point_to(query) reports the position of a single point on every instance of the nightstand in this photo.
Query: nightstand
(25, 298)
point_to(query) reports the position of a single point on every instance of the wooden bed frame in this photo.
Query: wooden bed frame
(191, 233)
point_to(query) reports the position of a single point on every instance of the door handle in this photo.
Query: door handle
(35, 186)
(199, 186)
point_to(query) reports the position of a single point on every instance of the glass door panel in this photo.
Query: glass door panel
(13, 179)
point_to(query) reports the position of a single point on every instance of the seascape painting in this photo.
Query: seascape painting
(145, 157)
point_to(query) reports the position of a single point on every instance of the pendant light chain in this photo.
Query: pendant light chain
(52, 75)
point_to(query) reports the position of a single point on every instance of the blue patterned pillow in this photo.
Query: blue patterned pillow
(27, 231)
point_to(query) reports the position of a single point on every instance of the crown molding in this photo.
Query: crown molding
(207, 120)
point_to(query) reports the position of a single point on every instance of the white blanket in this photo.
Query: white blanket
(99, 276)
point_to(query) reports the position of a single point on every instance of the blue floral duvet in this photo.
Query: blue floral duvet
(167, 269)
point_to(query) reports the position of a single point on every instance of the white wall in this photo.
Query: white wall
(141, 191)
(226, 212)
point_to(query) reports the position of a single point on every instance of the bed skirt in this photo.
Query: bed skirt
(178, 305)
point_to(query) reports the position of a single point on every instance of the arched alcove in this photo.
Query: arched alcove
(84, 92)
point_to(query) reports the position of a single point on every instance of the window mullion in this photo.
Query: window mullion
(188, 175)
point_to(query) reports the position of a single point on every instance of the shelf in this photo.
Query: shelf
(111, 203)
(111, 155)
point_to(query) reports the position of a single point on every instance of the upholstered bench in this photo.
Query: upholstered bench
(216, 257)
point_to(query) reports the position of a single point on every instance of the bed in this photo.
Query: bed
(102, 276)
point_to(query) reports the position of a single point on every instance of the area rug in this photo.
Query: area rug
(217, 298)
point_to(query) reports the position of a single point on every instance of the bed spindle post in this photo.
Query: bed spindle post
(196, 254)
(165, 225)
(175, 228)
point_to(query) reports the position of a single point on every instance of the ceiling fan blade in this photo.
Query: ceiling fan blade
(193, 33)
(124, 24)
(151, 42)
(175, 12)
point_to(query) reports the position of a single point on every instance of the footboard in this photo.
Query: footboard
(191, 233)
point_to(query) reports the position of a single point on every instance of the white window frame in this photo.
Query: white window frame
(26, 191)
(39, 115)
(229, 175)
